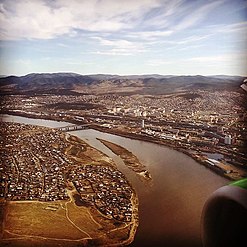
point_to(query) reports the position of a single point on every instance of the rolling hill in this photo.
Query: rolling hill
(70, 83)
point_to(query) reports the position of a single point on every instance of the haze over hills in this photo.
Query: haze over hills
(105, 83)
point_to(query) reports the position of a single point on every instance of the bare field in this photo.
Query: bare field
(59, 224)
(50, 222)
(40, 219)
(82, 152)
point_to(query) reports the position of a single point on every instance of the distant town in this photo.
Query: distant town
(49, 174)
(119, 119)
(208, 125)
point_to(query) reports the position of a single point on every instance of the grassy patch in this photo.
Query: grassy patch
(36, 218)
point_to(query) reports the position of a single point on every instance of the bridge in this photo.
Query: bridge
(73, 127)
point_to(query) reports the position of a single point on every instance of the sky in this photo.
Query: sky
(124, 37)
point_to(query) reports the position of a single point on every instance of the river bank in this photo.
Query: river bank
(104, 160)
(170, 209)
(198, 157)
(196, 154)
(130, 160)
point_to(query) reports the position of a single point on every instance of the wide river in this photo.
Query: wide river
(169, 208)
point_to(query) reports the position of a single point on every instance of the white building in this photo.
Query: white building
(143, 124)
(228, 140)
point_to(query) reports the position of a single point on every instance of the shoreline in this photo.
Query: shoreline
(135, 136)
(129, 159)
(134, 223)
(198, 159)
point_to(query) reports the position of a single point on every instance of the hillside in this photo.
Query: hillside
(70, 83)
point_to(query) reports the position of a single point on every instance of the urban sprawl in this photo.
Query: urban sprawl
(210, 126)
(34, 166)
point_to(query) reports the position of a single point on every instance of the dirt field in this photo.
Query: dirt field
(80, 151)
(58, 224)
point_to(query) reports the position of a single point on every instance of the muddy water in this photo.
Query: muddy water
(170, 209)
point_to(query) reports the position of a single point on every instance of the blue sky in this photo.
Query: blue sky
(123, 37)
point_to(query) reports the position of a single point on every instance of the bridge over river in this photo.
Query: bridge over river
(74, 127)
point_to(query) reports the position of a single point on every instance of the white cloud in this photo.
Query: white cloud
(159, 62)
(194, 16)
(161, 33)
(240, 27)
(232, 29)
(192, 39)
(162, 15)
(77, 63)
(115, 43)
(150, 35)
(113, 52)
(190, 47)
(40, 19)
(225, 58)
(43, 19)
(31, 19)
(208, 59)
(118, 47)
(230, 58)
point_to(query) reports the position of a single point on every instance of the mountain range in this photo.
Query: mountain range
(105, 83)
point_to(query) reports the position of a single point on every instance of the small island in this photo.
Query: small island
(130, 160)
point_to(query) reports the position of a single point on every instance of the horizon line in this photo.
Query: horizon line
(121, 75)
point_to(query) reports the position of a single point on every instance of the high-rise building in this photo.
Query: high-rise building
(143, 124)
(228, 140)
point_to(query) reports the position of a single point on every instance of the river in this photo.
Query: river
(170, 209)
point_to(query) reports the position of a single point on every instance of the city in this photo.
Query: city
(210, 126)
(119, 120)
(38, 164)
